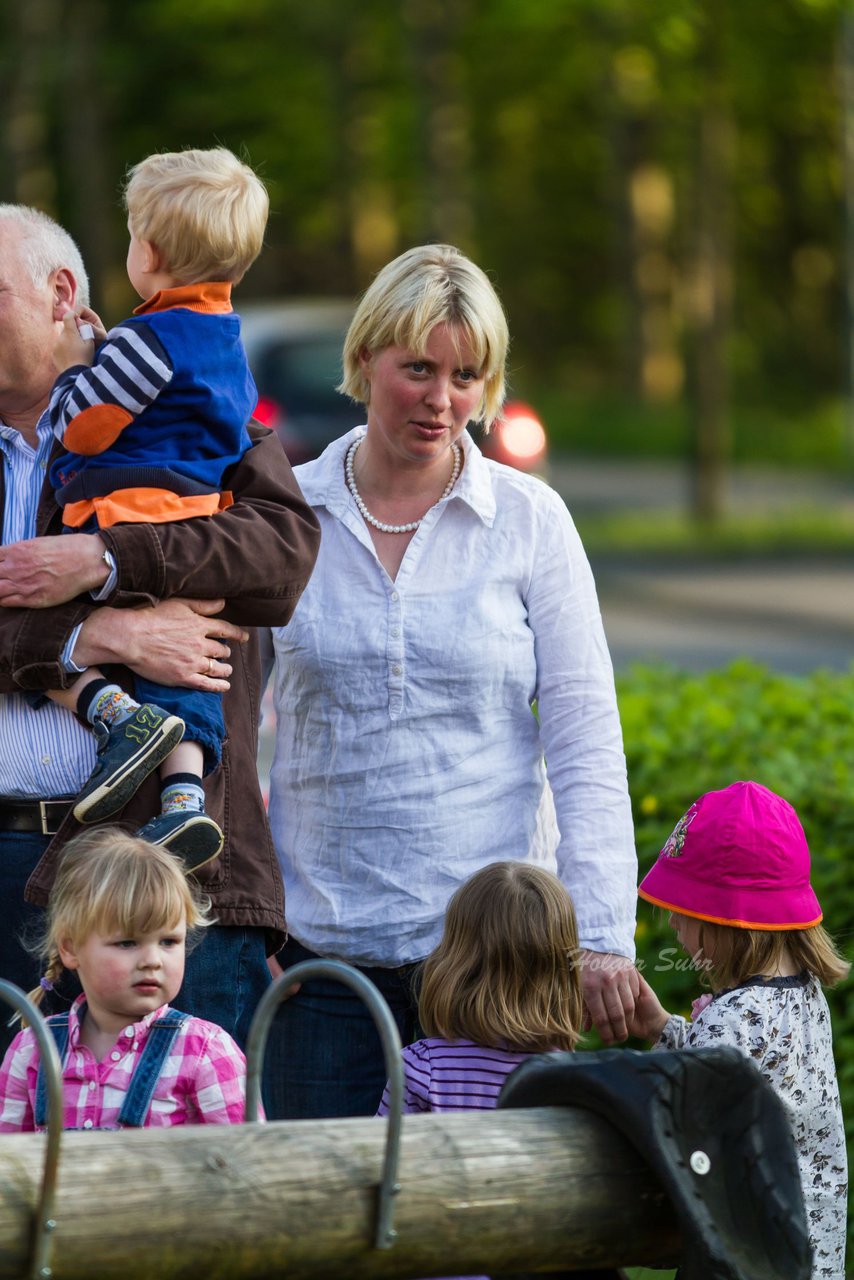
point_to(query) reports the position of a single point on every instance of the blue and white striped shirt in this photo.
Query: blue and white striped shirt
(44, 752)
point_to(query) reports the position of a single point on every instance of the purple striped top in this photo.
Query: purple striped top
(452, 1075)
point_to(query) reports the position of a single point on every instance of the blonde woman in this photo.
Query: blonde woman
(451, 594)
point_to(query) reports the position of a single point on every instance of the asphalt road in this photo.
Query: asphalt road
(791, 616)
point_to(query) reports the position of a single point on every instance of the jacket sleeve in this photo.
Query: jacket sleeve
(258, 553)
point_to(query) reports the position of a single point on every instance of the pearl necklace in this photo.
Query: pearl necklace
(379, 524)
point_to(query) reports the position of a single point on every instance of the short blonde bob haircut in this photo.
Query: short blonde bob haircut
(430, 285)
(733, 954)
(505, 973)
(112, 882)
(204, 211)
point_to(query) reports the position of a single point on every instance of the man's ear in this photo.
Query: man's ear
(64, 287)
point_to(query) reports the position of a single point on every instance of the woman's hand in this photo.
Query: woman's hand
(176, 642)
(649, 1017)
(610, 984)
(41, 572)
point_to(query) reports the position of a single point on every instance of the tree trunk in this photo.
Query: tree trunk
(710, 301)
(490, 1192)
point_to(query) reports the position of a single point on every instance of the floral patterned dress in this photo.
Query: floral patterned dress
(783, 1024)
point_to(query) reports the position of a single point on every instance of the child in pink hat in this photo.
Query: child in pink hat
(734, 875)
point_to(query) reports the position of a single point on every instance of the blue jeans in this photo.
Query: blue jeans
(225, 977)
(324, 1056)
(201, 712)
(21, 923)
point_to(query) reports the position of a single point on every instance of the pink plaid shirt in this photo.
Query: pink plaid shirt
(203, 1080)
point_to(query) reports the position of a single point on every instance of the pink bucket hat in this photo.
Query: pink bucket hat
(739, 857)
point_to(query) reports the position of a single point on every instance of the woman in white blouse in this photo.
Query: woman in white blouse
(451, 595)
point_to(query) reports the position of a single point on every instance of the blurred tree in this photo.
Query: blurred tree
(31, 43)
(582, 150)
(710, 289)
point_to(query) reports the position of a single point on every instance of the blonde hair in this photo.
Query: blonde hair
(46, 247)
(735, 954)
(109, 881)
(427, 286)
(204, 211)
(505, 973)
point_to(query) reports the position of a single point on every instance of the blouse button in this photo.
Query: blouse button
(91, 1084)
(87, 1124)
(128, 1031)
(395, 596)
(115, 1055)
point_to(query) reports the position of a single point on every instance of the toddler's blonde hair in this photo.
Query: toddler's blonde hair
(112, 882)
(505, 973)
(204, 211)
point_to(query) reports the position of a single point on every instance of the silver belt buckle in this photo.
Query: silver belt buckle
(45, 808)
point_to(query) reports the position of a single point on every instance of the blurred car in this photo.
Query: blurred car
(294, 351)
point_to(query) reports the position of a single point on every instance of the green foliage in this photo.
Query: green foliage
(600, 424)
(674, 536)
(522, 131)
(687, 734)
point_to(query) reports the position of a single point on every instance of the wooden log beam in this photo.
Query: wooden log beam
(490, 1192)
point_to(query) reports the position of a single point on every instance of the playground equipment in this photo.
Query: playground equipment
(538, 1188)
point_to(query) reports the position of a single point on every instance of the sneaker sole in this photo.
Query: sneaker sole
(114, 794)
(196, 842)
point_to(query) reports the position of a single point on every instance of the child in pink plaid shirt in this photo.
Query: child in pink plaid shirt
(119, 915)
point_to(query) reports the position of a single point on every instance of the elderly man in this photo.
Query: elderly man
(170, 602)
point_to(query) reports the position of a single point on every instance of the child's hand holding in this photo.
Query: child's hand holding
(71, 347)
(86, 316)
(649, 1017)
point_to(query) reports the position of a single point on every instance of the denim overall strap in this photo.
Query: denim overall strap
(58, 1025)
(161, 1037)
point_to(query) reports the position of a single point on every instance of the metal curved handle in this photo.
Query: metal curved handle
(44, 1223)
(390, 1038)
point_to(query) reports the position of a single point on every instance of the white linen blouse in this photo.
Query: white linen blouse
(408, 755)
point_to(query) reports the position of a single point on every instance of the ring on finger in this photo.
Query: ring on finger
(210, 667)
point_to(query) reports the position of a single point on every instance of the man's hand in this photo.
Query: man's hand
(611, 985)
(72, 349)
(42, 572)
(176, 642)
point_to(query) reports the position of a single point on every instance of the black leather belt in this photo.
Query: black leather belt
(45, 816)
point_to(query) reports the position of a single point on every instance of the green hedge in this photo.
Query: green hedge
(686, 734)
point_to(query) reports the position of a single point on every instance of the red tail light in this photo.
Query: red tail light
(522, 434)
(268, 412)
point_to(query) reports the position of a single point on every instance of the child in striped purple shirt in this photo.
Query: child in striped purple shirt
(119, 915)
(501, 984)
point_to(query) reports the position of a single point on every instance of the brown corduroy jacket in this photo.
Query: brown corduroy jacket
(258, 555)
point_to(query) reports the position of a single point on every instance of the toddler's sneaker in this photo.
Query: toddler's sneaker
(190, 833)
(127, 753)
